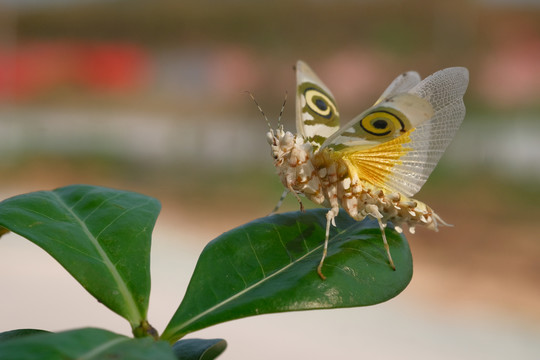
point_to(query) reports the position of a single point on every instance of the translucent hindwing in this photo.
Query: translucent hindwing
(407, 132)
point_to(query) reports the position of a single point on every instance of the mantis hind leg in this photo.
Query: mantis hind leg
(330, 216)
(386, 246)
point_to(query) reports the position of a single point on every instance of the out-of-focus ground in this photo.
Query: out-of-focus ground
(147, 96)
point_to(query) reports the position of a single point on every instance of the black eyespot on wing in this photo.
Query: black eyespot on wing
(321, 104)
(380, 124)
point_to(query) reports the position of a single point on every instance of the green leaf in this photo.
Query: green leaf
(12, 334)
(100, 236)
(87, 344)
(199, 349)
(269, 265)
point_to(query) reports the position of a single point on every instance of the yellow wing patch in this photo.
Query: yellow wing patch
(375, 164)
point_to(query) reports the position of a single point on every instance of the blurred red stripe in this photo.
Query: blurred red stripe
(32, 69)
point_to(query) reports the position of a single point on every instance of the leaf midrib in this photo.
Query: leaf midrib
(133, 315)
(177, 329)
(98, 351)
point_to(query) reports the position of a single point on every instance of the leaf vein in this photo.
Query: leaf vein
(118, 217)
(255, 253)
(97, 351)
(134, 316)
(291, 258)
(106, 200)
(239, 274)
(37, 213)
(302, 235)
(365, 253)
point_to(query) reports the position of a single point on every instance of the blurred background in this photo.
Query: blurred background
(147, 96)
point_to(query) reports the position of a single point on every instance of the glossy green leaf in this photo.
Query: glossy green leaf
(199, 349)
(269, 265)
(101, 236)
(88, 344)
